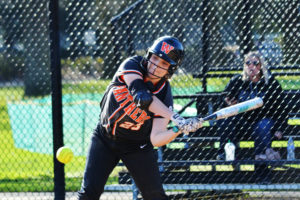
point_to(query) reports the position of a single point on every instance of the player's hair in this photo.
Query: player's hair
(264, 72)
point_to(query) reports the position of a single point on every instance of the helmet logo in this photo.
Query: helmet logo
(165, 47)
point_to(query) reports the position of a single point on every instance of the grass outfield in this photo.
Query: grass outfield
(22, 170)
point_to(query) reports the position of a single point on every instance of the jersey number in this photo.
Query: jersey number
(131, 126)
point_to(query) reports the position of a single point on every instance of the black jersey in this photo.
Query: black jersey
(119, 114)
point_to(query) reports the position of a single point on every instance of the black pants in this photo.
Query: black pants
(104, 154)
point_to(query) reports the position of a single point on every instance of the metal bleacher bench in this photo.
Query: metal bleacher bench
(189, 162)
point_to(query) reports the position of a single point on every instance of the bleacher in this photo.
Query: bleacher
(190, 161)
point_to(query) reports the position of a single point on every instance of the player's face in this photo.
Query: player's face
(253, 68)
(157, 67)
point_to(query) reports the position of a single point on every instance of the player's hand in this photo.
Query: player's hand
(187, 125)
(180, 122)
(230, 101)
(192, 125)
(143, 99)
(196, 123)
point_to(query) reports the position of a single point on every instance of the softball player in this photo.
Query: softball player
(135, 112)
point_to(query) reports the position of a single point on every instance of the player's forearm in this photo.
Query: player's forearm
(159, 108)
(163, 138)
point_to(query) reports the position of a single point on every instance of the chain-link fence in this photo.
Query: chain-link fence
(95, 36)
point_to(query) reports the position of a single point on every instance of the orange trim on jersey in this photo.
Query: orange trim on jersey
(116, 122)
(114, 113)
(121, 79)
(159, 89)
(117, 110)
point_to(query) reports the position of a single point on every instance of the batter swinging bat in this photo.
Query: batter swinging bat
(235, 109)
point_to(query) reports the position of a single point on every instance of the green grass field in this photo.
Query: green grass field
(22, 170)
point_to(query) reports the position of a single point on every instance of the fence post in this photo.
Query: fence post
(205, 39)
(59, 174)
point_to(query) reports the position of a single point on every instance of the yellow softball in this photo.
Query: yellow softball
(64, 155)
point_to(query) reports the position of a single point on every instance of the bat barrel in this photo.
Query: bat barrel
(240, 108)
(235, 109)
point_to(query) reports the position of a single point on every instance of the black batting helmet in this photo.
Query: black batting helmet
(170, 49)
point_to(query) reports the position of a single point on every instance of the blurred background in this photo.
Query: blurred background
(95, 36)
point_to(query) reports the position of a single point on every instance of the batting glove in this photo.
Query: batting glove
(196, 123)
(180, 122)
(192, 125)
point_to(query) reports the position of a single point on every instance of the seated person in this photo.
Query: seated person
(255, 81)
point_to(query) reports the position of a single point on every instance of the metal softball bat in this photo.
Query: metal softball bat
(235, 109)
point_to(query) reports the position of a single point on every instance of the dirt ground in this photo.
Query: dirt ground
(267, 195)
